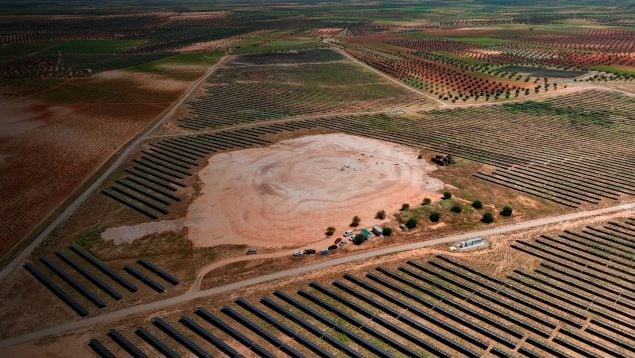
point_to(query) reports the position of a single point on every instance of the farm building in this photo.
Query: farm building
(470, 244)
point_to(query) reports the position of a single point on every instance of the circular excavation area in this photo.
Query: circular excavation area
(286, 194)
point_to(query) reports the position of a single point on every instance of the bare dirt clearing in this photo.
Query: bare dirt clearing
(130, 233)
(301, 186)
(149, 81)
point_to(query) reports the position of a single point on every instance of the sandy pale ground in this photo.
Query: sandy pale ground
(288, 193)
(121, 234)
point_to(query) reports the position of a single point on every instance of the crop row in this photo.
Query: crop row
(441, 79)
(609, 40)
(564, 50)
(538, 55)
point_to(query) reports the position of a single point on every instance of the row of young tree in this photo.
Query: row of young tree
(435, 216)
(457, 208)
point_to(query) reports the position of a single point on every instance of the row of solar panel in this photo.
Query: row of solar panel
(93, 278)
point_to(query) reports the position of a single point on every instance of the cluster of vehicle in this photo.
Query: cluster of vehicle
(337, 243)
(304, 252)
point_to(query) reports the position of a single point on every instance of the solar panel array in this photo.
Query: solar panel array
(81, 280)
(546, 157)
(579, 302)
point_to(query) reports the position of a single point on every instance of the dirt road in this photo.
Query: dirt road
(121, 157)
(344, 53)
(191, 295)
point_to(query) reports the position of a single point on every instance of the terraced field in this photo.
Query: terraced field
(578, 302)
(561, 153)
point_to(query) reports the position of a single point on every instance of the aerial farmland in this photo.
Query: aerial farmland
(317, 179)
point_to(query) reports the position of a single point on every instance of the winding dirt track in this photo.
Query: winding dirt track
(192, 295)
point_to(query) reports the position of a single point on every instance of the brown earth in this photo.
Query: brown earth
(301, 186)
(51, 142)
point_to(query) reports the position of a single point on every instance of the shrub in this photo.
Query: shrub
(447, 195)
(359, 239)
(356, 221)
(330, 231)
(426, 201)
(411, 223)
(476, 204)
(386, 231)
(435, 216)
(405, 207)
(488, 218)
(507, 211)
(381, 215)
(456, 208)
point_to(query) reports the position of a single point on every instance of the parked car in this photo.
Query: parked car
(251, 251)
(324, 252)
(309, 251)
(298, 253)
(343, 243)
(348, 233)
(338, 240)
(333, 247)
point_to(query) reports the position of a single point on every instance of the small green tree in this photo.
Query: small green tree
(456, 208)
(330, 231)
(507, 211)
(381, 215)
(405, 207)
(476, 204)
(435, 216)
(447, 195)
(356, 221)
(411, 223)
(426, 201)
(488, 218)
(359, 239)
(386, 231)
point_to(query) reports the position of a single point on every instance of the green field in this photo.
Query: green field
(622, 70)
(13, 51)
(183, 59)
(574, 115)
(480, 41)
(541, 72)
(92, 47)
(281, 45)
(419, 35)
